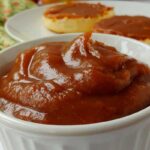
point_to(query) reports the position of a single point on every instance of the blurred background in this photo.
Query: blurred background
(9, 8)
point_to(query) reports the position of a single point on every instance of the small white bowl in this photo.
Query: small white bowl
(127, 133)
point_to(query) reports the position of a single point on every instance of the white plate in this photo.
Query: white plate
(28, 25)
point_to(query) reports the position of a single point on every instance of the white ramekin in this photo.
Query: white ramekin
(128, 133)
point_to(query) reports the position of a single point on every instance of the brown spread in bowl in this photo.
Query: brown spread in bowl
(77, 10)
(78, 82)
(137, 27)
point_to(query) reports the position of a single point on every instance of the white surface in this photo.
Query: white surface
(29, 25)
(1, 148)
(127, 133)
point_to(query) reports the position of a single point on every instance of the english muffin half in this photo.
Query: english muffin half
(75, 17)
(136, 27)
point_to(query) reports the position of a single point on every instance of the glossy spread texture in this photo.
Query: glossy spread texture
(76, 10)
(78, 82)
(137, 27)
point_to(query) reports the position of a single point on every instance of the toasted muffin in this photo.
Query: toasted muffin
(136, 27)
(75, 17)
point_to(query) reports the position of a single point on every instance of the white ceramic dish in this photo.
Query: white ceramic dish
(29, 25)
(128, 133)
(1, 148)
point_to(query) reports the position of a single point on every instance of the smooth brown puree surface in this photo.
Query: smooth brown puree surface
(78, 82)
(73, 10)
(137, 27)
